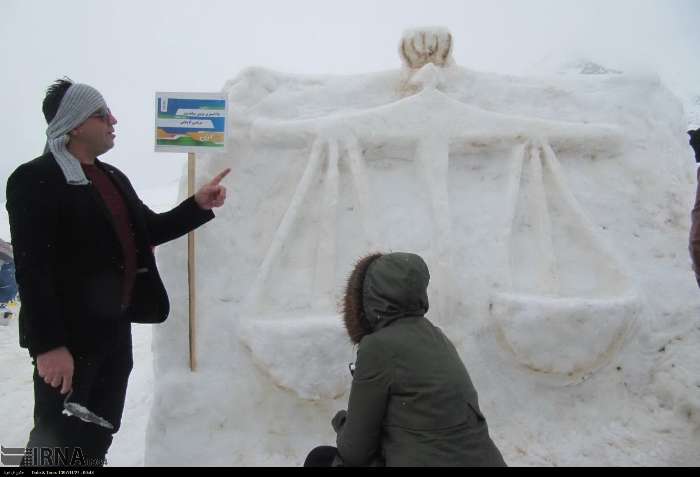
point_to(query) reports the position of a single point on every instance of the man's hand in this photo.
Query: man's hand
(212, 194)
(56, 367)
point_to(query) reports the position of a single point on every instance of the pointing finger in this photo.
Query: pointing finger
(220, 176)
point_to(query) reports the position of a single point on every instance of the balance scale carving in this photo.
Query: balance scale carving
(542, 224)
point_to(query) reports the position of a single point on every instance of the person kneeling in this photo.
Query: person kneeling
(412, 402)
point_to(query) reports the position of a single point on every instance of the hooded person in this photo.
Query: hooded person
(412, 402)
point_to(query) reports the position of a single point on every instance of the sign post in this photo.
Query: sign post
(190, 267)
(191, 122)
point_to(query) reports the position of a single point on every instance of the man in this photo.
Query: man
(83, 249)
(694, 244)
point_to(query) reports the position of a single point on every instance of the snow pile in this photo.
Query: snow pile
(552, 212)
(693, 111)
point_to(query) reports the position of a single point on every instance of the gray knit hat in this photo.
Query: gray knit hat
(79, 102)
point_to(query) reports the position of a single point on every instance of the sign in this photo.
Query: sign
(191, 122)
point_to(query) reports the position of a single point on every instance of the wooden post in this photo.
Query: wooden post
(191, 266)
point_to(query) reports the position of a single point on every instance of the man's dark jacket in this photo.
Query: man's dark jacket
(69, 261)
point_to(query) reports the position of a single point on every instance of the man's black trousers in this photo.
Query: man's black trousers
(75, 438)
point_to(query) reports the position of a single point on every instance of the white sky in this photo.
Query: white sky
(129, 49)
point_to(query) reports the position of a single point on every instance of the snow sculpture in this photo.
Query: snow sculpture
(543, 220)
(550, 212)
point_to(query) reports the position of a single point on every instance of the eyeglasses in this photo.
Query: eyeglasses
(102, 113)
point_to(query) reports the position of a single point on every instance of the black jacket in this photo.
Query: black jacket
(69, 261)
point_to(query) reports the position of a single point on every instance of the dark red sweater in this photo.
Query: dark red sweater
(122, 223)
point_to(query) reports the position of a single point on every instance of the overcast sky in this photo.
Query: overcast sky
(129, 49)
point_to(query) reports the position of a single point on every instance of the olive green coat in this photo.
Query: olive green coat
(412, 402)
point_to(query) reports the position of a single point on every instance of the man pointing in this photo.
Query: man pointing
(83, 248)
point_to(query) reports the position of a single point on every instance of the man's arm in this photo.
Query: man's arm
(169, 225)
(187, 216)
(176, 222)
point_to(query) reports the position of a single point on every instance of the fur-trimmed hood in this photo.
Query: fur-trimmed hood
(383, 288)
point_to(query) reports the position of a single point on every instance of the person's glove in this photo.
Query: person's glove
(695, 142)
(339, 420)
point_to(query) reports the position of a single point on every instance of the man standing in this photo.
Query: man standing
(83, 249)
